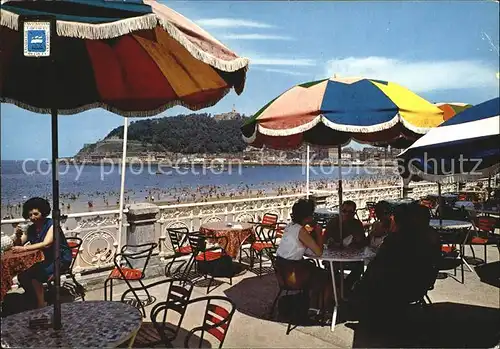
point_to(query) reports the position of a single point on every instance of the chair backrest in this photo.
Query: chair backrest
(427, 203)
(486, 224)
(176, 301)
(178, 236)
(196, 241)
(74, 244)
(133, 252)
(370, 206)
(216, 320)
(269, 219)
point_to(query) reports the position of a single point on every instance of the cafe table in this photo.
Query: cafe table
(342, 255)
(91, 324)
(449, 224)
(13, 263)
(235, 234)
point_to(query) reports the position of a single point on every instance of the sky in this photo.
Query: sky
(443, 51)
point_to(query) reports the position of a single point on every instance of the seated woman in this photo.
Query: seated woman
(40, 236)
(295, 271)
(383, 226)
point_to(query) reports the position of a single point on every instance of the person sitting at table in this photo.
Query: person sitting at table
(296, 271)
(353, 235)
(39, 236)
(384, 225)
(404, 268)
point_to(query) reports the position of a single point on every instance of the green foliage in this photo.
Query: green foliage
(188, 134)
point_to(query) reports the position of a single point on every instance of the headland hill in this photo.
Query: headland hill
(204, 139)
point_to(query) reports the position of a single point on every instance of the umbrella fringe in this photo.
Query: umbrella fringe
(9, 20)
(227, 66)
(363, 129)
(289, 131)
(106, 30)
(451, 178)
(114, 110)
(415, 129)
(126, 26)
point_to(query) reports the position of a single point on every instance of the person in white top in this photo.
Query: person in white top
(293, 270)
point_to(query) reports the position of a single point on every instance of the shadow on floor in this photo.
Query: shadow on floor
(489, 273)
(16, 302)
(254, 296)
(148, 337)
(441, 325)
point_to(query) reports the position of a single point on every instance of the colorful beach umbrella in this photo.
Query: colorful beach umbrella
(134, 58)
(463, 148)
(452, 109)
(334, 111)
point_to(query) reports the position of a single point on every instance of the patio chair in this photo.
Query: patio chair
(370, 206)
(484, 231)
(74, 244)
(286, 289)
(451, 256)
(175, 301)
(180, 244)
(206, 259)
(265, 244)
(216, 320)
(129, 273)
(269, 220)
(430, 205)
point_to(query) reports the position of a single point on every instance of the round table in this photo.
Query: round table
(234, 232)
(94, 324)
(449, 224)
(344, 255)
(15, 263)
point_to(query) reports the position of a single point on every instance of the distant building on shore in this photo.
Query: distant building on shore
(232, 115)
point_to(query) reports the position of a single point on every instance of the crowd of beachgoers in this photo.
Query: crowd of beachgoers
(97, 201)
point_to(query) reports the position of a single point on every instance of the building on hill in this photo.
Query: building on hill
(232, 115)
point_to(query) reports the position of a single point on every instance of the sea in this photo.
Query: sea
(22, 179)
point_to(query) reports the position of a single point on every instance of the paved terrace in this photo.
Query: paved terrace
(462, 315)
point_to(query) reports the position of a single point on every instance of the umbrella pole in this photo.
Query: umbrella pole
(307, 172)
(122, 183)
(440, 203)
(56, 217)
(339, 155)
(489, 186)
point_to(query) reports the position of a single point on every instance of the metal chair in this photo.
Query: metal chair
(484, 228)
(74, 244)
(216, 320)
(176, 298)
(265, 243)
(203, 254)
(453, 257)
(180, 244)
(284, 290)
(129, 273)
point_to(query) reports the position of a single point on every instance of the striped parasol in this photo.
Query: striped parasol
(452, 109)
(462, 148)
(334, 111)
(134, 58)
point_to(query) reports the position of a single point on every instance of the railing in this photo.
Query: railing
(99, 230)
